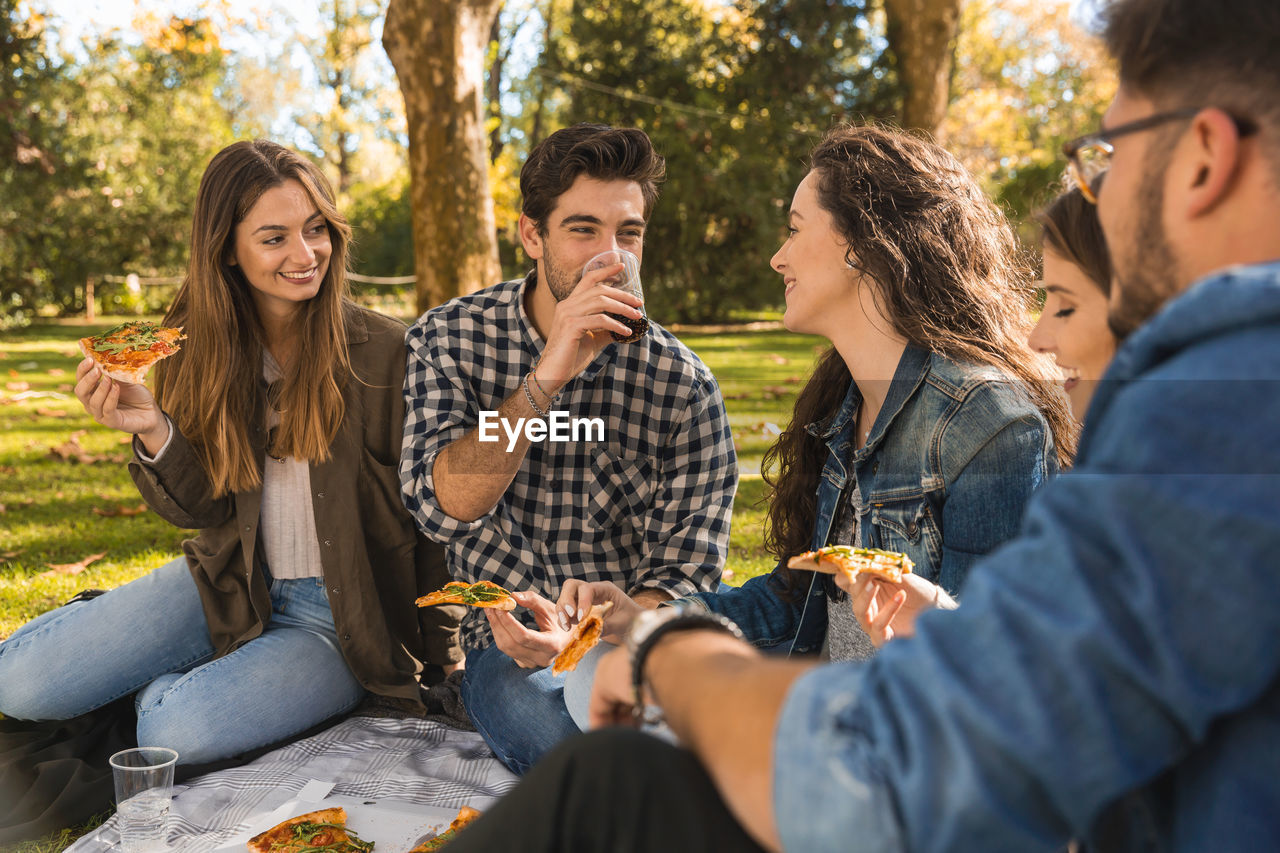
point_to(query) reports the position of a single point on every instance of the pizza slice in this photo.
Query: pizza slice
(323, 831)
(585, 636)
(127, 352)
(479, 594)
(887, 565)
(465, 815)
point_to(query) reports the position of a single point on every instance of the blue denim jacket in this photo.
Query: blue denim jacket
(953, 456)
(1114, 672)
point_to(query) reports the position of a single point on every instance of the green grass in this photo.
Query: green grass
(47, 503)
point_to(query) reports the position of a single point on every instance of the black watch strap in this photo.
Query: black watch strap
(652, 626)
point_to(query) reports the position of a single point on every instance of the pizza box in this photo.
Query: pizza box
(393, 825)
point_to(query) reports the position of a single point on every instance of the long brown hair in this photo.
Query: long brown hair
(211, 387)
(946, 274)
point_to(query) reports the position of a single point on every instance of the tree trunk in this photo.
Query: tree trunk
(922, 35)
(438, 49)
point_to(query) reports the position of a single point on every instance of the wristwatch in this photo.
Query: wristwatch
(650, 626)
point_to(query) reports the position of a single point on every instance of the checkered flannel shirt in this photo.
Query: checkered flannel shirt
(647, 507)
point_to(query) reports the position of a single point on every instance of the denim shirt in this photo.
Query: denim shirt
(1114, 672)
(953, 456)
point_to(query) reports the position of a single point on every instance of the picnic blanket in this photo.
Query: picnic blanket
(413, 760)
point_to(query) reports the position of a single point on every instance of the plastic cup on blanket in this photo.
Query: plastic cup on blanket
(144, 787)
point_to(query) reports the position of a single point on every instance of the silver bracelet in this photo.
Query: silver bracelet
(528, 395)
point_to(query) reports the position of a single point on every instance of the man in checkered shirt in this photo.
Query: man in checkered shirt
(647, 507)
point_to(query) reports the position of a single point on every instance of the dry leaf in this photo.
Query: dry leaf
(18, 386)
(56, 371)
(9, 555)
(72, 568)
(778, 359)
(116, 511)
(51, 413)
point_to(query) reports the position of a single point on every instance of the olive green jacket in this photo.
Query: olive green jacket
(375, 562)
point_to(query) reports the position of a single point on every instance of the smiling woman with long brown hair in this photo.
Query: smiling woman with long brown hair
(929, 422)
(275, 432)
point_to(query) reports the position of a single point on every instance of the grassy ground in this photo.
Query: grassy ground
(71, 518)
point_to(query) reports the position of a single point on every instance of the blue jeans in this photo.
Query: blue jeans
(520, 713)
(150, 636)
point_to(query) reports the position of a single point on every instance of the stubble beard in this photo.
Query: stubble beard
(1147, 274)
(560, 281)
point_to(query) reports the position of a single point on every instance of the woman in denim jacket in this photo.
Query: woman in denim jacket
(928, 424)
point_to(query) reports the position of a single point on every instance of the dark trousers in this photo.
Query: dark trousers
(610, 791)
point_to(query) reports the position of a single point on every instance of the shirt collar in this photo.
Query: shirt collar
(912, 368)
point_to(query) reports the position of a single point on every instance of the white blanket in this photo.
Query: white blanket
(409, 760)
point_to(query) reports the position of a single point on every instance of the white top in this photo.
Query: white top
(288, 523)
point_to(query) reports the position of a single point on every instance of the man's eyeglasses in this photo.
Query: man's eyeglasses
(1089, 157)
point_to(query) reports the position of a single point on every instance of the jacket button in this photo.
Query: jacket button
(327, 543)
(346, 637)
(333, 590)
(320, 495)
(248, 527)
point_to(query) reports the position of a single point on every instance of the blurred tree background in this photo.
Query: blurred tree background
(102, 143)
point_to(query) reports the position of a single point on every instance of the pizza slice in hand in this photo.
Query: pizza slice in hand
(479, 594)
(323, 831)
(127, 352)
(584, 638)
(846, 559)
(465, 815)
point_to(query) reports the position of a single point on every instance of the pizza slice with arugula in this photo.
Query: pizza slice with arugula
(127, 351)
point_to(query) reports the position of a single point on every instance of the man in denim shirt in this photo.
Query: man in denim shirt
(1113, 674)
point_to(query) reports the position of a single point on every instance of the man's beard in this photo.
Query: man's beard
(1146, 276)
(560, 281)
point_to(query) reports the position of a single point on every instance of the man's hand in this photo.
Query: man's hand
(120, 405)
(581, 327)
(530, 649)
(578, 597)
(887, 610)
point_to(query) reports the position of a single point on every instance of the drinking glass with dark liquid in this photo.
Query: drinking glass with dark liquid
(629, 280)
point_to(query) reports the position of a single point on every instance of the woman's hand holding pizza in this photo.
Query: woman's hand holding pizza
(887, 610)
(529, 649)
(578, 597)
(120, 405)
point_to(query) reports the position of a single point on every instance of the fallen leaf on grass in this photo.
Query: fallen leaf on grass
(778, 359)
(51, 413)
(56, 371)
(9, 555)
(116, 511)
(18, 386)
(71, 568)
(71, 451)
(8, 470)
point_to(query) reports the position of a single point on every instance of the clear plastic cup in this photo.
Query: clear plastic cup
(144, 787)
(629, 280)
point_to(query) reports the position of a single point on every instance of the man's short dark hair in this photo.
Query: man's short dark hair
(595, 150)
(1211, 53)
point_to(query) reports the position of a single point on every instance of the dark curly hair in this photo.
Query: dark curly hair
(946, 273)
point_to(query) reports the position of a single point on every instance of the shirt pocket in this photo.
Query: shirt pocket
(908, 526)
(620, 490)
